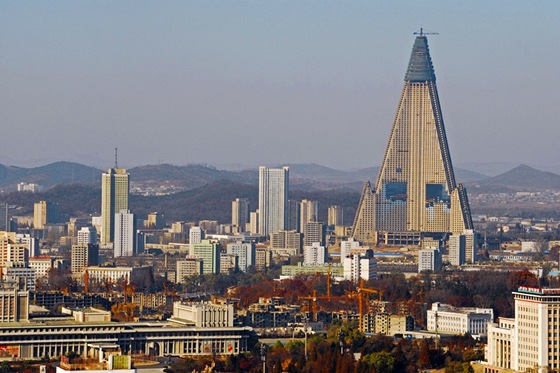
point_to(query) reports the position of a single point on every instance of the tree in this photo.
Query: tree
(381, 362)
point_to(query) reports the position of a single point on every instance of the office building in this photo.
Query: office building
(245, 252)
(253, 225)
(293, 216)
(457, 249)
(114, 198)
(11, 250)
(125, 234)
(429, 259)
(44, 213)
(229, 263)
(346, 247)
(155, 220)
(308, 212)
(14, 303)
(263, 258)
(335, 216)
(444, 318)
(83, 256)
(286, 240)
(87, 235)
(529, 341)
(470, 246)
(415, 192)
(4, 217)
(273, 199)
(314, 232)
(315, 254)
(196, 235)
(209, 252)
(202, 329)
(190, 266)
(360, 266)
(42, 265)
(239, 214)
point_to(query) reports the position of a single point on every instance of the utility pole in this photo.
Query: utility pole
(263, 356)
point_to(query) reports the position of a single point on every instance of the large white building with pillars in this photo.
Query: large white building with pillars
(177, 336)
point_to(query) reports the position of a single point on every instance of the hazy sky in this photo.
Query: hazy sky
(271, 82)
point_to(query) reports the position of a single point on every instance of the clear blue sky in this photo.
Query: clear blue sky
(271, 82)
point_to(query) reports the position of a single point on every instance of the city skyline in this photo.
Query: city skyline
(175, 76)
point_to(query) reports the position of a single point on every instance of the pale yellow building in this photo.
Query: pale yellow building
(415, 191)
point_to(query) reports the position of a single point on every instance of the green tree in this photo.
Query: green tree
(381, 362)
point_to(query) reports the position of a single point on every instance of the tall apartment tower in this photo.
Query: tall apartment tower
(335, 216)
(239, 214)
(415, 193)
(44, 213)
(84, 255)
(308, 212)
(125, 234)
(4, 217)
(114, 198)
(273, 199)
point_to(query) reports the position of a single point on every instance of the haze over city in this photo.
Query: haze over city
(254, 83)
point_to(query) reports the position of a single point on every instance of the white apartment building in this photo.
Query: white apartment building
(445, 318)
(245, 252)
(315, 254)
(457, 249)
(196, 235)
(357, 266)
(125, 234)
(42, 265)
(335, 216)
(87, 235)
(429, 260)
(308, 212)
(189, 266)
(273, 199)
(346, 247)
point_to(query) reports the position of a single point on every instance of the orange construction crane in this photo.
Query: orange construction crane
(360, 294)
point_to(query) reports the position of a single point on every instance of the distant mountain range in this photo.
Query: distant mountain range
(303, 177)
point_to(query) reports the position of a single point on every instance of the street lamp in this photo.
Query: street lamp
(341, 341)
(264, 349)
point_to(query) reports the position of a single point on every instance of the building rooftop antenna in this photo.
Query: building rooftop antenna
(422, 33)
(116, 159)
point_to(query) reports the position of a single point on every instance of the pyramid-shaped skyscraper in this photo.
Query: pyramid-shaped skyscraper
(415, 194)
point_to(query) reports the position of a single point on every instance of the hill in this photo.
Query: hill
(522, 177)
(211, 201)
(49, 175)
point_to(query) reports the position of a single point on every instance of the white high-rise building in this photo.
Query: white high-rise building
(347, 246)
(114, 198)
(239, 214)
(308, 212)
(357, 266)
(457, 249)
(125, 234)
(196, 235)
(245, 252)
(429, 259)
(335, 216)
(315, 254)
(273, 199)
(87, 235)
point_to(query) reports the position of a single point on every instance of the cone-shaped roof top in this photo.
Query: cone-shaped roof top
(420, 68)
